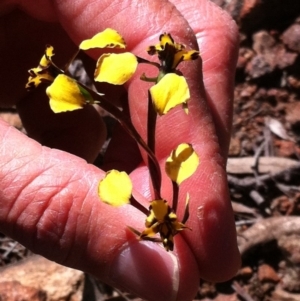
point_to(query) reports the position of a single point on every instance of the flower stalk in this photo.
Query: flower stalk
(169, 90)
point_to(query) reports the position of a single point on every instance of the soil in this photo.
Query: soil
(266, 125)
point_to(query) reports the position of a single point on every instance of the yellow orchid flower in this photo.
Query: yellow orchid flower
(65, 93)
(111, 68)
(116, 190)
(171, 88)
(164, 221)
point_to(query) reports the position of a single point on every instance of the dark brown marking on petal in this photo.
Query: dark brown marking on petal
(171, 38)
(195, 55)
(151, 50)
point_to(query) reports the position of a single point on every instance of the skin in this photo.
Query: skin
(48, 193)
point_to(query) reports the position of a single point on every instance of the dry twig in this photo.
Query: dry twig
(273, 165)
(268, 229)
(249, 182)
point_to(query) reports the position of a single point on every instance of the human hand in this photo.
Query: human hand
(49, 197)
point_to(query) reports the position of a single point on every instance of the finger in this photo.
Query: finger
(219, 51)
(20, 52)
(213, 239)
(50, 204)
(217, 37)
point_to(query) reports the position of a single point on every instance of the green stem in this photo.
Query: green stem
(127, 125)
(148, 79)
(186, 211)
(66, 69)
(138, 206)
(151, 130)
(175, 195)
(144, 61)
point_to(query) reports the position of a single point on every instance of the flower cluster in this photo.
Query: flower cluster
(169, 90)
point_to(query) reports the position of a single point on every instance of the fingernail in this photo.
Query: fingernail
(147, 270)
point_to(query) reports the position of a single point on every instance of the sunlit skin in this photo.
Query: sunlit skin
(49, 198)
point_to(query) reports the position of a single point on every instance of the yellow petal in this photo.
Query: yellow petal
(184, 55)
(115, 188)
(154, 49)
(115, 69)
(169, 92)
(37, 78)
(182, 163)
(160, 209)
(149, 232)
(65, 95)
(166, 38)
(109, 38)
(46, 59)
(178, 226)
